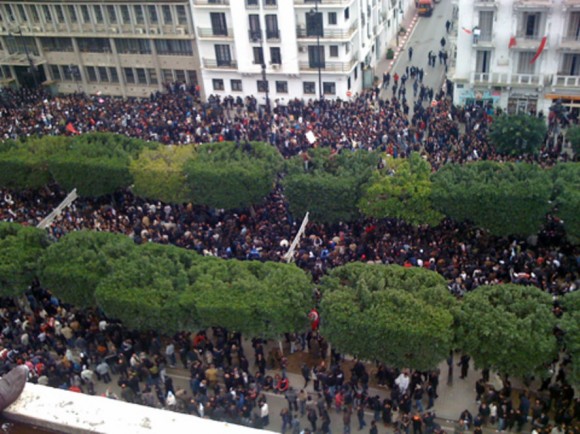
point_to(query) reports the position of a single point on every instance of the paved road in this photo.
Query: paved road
(425, 37)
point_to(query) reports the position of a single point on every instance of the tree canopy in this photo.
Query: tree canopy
(159, 173)
(401, 190)
(505, 198)
(570, 325)
(20, 248)
(573, 135)
(517, 134)
(566, 178)
(229, 175)
(74, 266)
(400, 316)
(331, 185)
(508, 328)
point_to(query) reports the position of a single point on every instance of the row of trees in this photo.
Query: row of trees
(402, 317)
(504, 198)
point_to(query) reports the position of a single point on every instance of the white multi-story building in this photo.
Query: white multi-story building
(236, 37)
(521, 55)
(117, 47)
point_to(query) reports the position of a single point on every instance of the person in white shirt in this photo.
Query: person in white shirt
(264, 414)
(402, 382)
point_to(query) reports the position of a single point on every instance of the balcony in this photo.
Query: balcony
(571, 4)
(572, 81)
(273, 35)
(209, 33)
(507, 79)
(533, 4)
(570, 43)
(485, 4)
(211, 3)
(221, 64)
(330, 66)
(301, 32)
(529, 42)
(321, 3)
(271, 4)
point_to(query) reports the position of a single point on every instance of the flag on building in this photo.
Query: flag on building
(469, 32)
(540, 49)
(513, 42)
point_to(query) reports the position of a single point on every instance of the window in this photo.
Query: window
(275, 55)
(5, 71)
(22, 13)
(111, 14)
(329, 88)
(152, 14)
(10, 13)
(72, 14)
(316, 56)
(113, 75)
(152, 73)
(67, 73)
(272, 31)
(524, 65)
(141, 76)
(103, 76)
(59, 13)
(258, 55)
(346, 14)
(85, 14)
(332, 19)
(270, 2)
(218, 24)
(125, 15)
(57, 44)
(35, 16)
(167, 16)
(570, 64)
(47, 14)
(94, 45)
(139, 15)
(91, 73)
(482, 61)
(485, 25)
(133, 46)
(236, 85)
(355, 73)
(262, 85)
(180, 75)
(181, 14)
(129, 75)
(218, 84)
(348, 83)
(21, 44)
(252, 3)
(309, 87)
(55, 72)
(573, 31)
(173, 47)
(255, 28)
(334, 51)
(191, 76)
(282, 86)
(314, 25)
(167, 75)
(531, 25)
(98, 14)
(223, 55)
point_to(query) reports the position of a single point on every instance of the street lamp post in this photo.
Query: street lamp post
(29, 58)
(319, 56)
(264, 72)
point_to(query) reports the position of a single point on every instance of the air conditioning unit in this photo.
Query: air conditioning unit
(275, 66)
(180, 30)
(153, 30)
(139, 31)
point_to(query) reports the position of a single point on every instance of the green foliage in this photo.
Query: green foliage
(517, 134)
(97, 164)
(402, 317)
(566, 178)
(74, 267)
(401, 190)
(159, 173)
(505, 198)
(508, 328)
(570, 325)
(24, 165)
(20, 247)
(332, 186)
(573, 135)
(230, 176)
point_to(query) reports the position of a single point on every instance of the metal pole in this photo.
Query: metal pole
(264, 72)
(319, 57)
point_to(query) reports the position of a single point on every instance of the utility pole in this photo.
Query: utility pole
(28, 57)
(264, 71)
(319, 56)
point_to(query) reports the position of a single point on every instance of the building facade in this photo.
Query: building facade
(304, 48)
(125, 48)
(272, 49)
(520, 55)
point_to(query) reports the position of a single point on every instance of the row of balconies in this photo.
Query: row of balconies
(308, 3)
(535, 80)
(528, 42)
(329, 33)
(527, 4)
(329, 66)
(100, 29)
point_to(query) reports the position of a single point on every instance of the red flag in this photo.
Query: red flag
(469, 32)
(71, 128)
(540, 49)
(513, 42)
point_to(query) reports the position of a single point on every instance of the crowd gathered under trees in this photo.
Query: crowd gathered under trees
(465, 255)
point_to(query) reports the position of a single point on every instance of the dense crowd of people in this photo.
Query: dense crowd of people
(68, 348)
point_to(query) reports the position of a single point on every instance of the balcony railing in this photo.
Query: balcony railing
(211, 2)
(273, 34)
(321, 2)
(508, 79)
(330, 66)
(220, 64)
(533, 4)
(208, 32)
(566, 81)
(301, 32)
(533, 37)
(485, 3)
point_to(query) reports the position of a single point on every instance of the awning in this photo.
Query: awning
(558, 96)
(20, 59)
